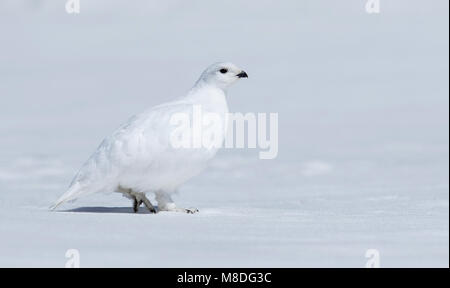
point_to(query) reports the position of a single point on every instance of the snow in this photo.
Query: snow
(363, 157)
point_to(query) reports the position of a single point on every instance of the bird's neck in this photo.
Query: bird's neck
(209, 96)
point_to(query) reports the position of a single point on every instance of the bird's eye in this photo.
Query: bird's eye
(223, 70)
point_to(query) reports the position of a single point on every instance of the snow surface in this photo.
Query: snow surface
(363, 142)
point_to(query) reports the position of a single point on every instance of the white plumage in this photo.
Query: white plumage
(138, 158)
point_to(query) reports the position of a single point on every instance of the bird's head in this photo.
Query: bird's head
(222, 75)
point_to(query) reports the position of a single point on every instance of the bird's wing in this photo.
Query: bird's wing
(143, 138)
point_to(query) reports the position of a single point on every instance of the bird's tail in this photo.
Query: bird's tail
(56, 204)
(71, 194)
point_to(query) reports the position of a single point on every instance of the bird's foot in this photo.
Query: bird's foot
(139, 199)
(185, 210)
(173, 208)
(152, 210)
(136, 205)
(191, 210)
(149, 205)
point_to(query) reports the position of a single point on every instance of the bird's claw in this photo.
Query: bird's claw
(191, 210)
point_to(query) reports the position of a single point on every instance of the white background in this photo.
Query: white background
(363, 139)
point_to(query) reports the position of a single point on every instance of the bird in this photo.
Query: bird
(141, 157)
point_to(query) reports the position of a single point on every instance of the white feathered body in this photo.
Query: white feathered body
(139, 156)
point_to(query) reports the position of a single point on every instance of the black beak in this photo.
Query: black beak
(242, 75)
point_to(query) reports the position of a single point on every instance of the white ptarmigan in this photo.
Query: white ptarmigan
(139, 157)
